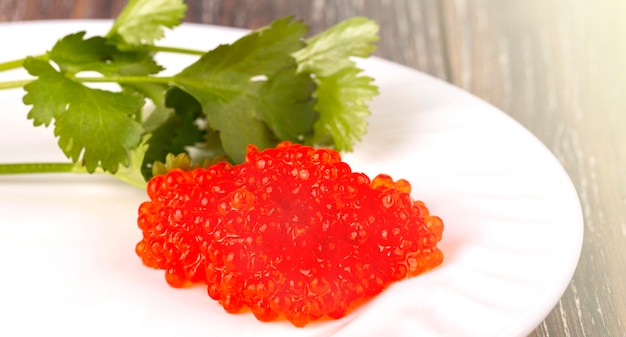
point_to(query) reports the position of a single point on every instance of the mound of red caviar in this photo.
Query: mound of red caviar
(292, 231)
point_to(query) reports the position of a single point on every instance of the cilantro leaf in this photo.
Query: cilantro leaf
(177, 132)
(330, 51)
(74, 54)
(50, 89)
(287, 104)
(94, 126)
(132, 173)
(229, 83)
(341, 98)
(142, 21)
(262, 52)
(341, 92)
(155, 92)
(238, 127)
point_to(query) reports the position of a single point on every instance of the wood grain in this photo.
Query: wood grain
(556, 66)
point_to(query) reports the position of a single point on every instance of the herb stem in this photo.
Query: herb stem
(115, 79)
(13, 84)
(127, 79)
(33, 168)
(11, 64)
(18, 63)
(177, 50)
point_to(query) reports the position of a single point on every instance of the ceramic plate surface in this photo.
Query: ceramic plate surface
(512, 238)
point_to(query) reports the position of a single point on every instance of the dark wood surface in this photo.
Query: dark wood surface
(556, 66)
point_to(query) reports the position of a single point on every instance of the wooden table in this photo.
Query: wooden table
(556, 66)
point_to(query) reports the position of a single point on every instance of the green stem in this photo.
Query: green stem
(127, 176)
(176, 50)
(127, 79)
(11, 64)
(31, 168)
(115, 79)
(14, 64)
(18, 63)
(13, 84)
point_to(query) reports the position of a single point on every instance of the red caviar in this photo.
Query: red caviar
(292, 231)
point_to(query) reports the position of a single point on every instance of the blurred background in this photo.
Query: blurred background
(556, 66)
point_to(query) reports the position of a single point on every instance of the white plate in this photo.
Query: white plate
(512, 238)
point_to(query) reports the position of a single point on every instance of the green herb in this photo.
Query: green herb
(341, 91)
(271, 85)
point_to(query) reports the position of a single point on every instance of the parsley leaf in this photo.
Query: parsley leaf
(132, 173)
(94, 126)
(230, 84)
(330, 51)
(49, 90)
(287, 104)
(177, 132)
(238, 127)
(341, 98)
(74, 54)
(142, 21)
(341, 91)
